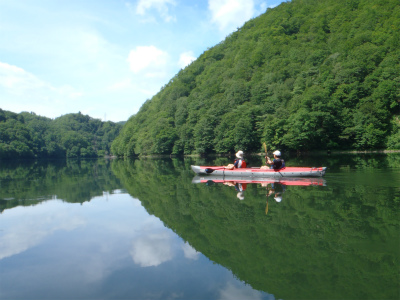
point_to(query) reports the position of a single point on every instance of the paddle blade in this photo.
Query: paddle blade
(209, 171)
(265, 148)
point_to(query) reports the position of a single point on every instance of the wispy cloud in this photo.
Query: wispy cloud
(161, 6)
(104, 57)
(33, 93)
(186, 58)
(17, 80)
(189, 252)
(152, 249)
(37, 226)
(230, 14)
(148, 59)
(232, 292)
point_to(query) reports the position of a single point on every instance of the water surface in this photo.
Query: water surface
(140, 229)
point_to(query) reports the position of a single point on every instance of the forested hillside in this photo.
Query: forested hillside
(27, 135)
(306, 75)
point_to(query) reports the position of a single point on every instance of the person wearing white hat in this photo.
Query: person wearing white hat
(277, 163)
(240, 162)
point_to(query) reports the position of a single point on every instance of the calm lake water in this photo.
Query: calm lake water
(141, 229)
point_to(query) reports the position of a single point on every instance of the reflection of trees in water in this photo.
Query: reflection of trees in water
(339, 241)
(31, 182)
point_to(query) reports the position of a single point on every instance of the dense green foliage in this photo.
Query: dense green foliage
(306, 75)
(338, 241)
(27, 135)
(30, 182)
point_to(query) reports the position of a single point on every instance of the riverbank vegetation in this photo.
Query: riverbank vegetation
(27, 135)
(306, 75)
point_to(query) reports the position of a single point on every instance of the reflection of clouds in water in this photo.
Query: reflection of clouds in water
(232, 292)
(109, 235)
(42, 221)
(156, 245)
(152, 249)
(190, 252)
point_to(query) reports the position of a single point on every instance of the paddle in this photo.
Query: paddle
(265, 148)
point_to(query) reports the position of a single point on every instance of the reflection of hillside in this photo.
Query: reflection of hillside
(31, 182)
(319, 243)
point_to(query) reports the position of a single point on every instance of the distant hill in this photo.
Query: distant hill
(27, 135)
(306, 75)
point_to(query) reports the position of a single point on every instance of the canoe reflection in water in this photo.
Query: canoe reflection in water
(275, 186)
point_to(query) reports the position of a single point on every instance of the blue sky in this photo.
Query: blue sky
(105, 58)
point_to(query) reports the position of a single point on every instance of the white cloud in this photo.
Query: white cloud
(74, 58)
(23, 91)
(263, 8)
(17, 80)
(190, 252)
(231, 292)
(149, 59)
(152, 249)
(160, 5)
(185, 59)
(37, 225)
(230, 14)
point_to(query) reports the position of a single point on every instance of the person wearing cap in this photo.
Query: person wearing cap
(277, 163)
(239, 161)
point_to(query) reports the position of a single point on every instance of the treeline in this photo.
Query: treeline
(27, 135)
(306, 75)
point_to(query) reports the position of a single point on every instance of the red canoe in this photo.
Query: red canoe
(257, 172)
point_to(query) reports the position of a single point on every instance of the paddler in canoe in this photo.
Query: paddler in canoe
(277, 163)
(239, 161)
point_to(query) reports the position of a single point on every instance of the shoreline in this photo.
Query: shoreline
(333, 152)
